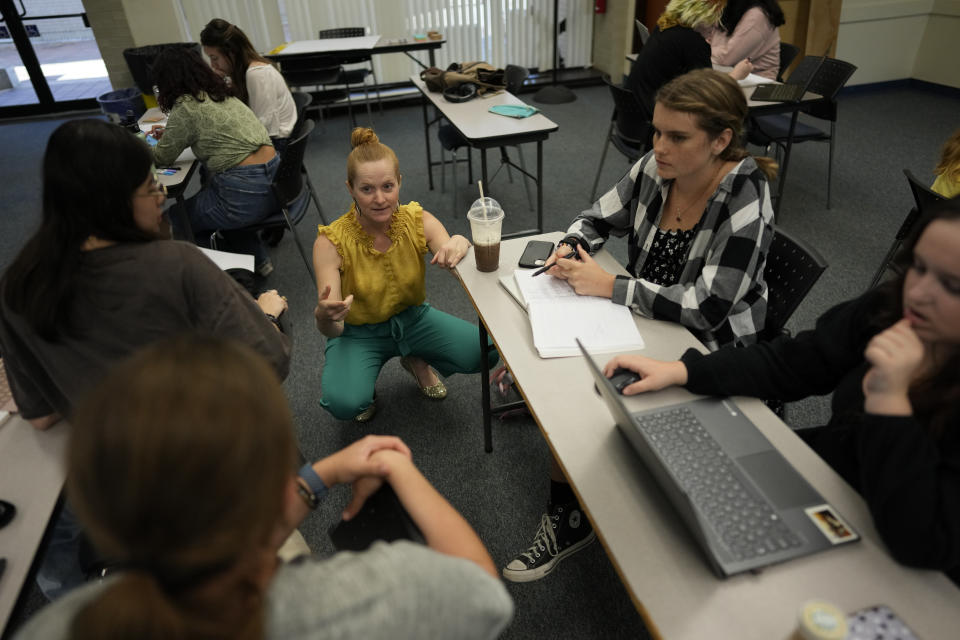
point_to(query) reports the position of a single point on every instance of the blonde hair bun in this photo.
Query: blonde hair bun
(363, 135)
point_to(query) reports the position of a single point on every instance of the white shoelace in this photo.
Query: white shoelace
(545, 540)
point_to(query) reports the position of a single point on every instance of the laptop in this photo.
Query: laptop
(745, 505)
(787, 92)
(643, 32)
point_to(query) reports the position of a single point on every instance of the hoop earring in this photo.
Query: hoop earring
(357, 207)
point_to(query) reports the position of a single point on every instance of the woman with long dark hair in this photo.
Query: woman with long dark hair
(748, 29)
(253, 79)
(96, 282)
(227, 137)
(182, 469)
(891, 359)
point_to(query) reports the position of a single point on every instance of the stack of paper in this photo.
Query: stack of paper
(558, 316)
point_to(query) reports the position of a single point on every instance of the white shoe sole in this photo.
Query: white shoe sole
(530, 575)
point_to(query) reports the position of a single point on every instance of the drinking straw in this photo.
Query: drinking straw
(483, 201)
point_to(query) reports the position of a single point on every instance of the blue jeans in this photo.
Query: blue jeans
(60, 569)
(234, 199)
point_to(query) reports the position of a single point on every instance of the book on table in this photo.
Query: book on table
(558, 316)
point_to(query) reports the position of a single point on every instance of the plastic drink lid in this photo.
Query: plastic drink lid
(821, 620)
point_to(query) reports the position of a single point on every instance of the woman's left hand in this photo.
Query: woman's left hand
(451, 253)
(585, 276)
(895, 356)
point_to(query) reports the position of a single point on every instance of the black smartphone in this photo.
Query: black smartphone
(382, 517)
(535, 254)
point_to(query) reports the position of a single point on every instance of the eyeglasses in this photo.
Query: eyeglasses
(157, 188)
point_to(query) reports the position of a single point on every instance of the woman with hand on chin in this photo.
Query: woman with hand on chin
(370, 281)
(699, 218)
(891, 359)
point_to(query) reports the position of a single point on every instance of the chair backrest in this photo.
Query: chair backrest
(633, 122)
(342, 32)
(302, 100)
(788, 53)
(288, 183)
(830, 77)
(792, 268)
(513, 76)
(924, 196)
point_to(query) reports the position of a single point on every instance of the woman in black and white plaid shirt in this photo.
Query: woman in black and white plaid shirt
(698, 213)
(699, 217)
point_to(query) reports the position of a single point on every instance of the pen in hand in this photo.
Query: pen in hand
(572, 256)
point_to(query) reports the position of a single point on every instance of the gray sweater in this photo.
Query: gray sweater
(392, 591)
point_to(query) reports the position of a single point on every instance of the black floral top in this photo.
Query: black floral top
(668, 256)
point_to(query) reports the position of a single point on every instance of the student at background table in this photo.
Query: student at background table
(228, 139)
(891, 360)
(95, 282)
(748, 29)
(371, 289)
(676, 46)
(699, 218)
(193, 523)
(947, 183)
(252, 78)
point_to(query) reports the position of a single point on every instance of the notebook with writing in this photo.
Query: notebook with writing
(746, 506)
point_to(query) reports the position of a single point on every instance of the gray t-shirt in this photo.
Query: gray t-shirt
(392, 591)
(127, 296)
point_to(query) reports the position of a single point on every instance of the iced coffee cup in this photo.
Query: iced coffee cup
(486, 219)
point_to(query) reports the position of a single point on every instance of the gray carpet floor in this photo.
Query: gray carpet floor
(503, 493)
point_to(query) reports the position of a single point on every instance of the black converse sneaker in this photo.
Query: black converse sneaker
(563, 531)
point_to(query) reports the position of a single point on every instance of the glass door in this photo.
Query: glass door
(49, 59)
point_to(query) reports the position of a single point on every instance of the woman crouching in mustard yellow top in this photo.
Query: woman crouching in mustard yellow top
(370, 281)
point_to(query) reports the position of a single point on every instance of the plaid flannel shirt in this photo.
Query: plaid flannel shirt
(721, 295)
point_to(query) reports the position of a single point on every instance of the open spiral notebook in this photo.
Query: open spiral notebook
(558, 316)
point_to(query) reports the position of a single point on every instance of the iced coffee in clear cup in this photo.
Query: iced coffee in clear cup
(486, 220)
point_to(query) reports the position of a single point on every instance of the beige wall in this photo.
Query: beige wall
(898, 39)
(112, 31)
(886, 39)
(612, 37)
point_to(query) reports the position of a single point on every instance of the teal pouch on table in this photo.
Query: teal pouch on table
(514, 110)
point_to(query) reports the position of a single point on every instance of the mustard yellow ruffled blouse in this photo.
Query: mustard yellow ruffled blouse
(382, 284)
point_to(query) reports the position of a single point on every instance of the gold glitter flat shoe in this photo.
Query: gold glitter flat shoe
(435, 391)
(367, 414)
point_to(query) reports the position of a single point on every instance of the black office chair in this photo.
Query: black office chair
(830, 78)
(316, 73)
(788, 53)
(451, 140)
(792, 268)
(514, 77)
(350, 73)
(924, 198)
(291, 193)
(629, 131)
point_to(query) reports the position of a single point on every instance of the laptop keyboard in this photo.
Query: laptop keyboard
(745, 521)
(777, 93)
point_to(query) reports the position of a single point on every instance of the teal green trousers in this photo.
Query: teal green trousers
(354, 359)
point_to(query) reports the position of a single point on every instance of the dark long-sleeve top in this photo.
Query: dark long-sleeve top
(127, 296)
(721, 295)
(666, 55)
(909, 478)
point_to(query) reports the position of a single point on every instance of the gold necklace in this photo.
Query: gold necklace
(682, 211)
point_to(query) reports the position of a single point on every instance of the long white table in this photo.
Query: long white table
(658, 561)
(32, 471)
(177, 182)
(483, 130)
